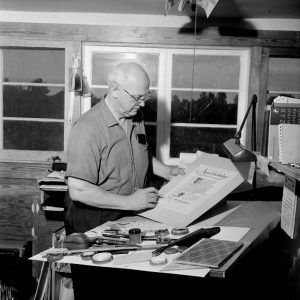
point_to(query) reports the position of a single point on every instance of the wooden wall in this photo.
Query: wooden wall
(207, 35)
(19, 195)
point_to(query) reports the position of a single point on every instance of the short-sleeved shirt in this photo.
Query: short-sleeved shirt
(102, 153)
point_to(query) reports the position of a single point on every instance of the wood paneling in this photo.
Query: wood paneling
(258, 86)
(16, 217)
(23, 170)
(210, 36)
(18, 194)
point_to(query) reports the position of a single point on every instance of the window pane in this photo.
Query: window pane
(151, 138)
(284, 74)
(33, 102)
(206, 107)
(210, 71)
(34, 65)
(25, 135)
(188, 139)
(102, 64)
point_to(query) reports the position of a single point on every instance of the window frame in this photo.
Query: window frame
(164, 85)
(37, 155)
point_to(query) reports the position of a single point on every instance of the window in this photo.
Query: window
(283, 78)
(199, 95)
(33, 103)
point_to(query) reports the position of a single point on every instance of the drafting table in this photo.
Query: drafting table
(261, 217)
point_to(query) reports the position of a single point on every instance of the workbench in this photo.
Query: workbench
(261, 217)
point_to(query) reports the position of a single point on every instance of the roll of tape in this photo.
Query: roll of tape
(158, 260)
(102, 258)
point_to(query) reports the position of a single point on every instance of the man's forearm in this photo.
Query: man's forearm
(94, 195)
(160, 169)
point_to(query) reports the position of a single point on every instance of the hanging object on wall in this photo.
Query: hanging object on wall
(75, 76)
(182, 4)
(78, 86)
(168, 5)
(86, 91)
(207, 5)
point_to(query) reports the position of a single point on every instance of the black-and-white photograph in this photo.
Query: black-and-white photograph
(149, 149)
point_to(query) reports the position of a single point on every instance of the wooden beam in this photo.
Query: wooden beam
(206, 36)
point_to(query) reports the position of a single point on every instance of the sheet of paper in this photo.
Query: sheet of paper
(196, 188)
(288, 210)
(186, 159)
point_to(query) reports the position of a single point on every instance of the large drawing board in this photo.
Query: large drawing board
(207, 181)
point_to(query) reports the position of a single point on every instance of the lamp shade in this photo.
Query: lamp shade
(237, 152)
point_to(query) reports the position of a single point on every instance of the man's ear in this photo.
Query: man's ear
(114, 90)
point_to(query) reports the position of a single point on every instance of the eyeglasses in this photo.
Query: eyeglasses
(138, 99)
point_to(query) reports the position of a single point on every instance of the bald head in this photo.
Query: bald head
(128, 74)
(126, 83)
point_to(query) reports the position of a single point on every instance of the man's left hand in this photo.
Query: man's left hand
(174, 171)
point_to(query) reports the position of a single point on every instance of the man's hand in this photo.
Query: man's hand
(143, 198)
(174, 171)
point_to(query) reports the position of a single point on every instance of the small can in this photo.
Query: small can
(135, 236)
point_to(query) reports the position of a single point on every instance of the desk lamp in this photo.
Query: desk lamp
(236, 151)
(233, 147)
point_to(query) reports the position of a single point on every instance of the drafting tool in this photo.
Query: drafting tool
(209, 253)
(190, 239)
(108, 240)
(56, 254)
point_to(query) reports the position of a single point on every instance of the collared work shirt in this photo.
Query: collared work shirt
(100, 152)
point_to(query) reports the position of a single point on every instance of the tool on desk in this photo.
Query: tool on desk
(58, 253)
(210, 253)
(99, 240)
(144, 237)
(76, 240)
(189, 239)
(179, 231)
(162, 232)
(135, 236)
(82, 241)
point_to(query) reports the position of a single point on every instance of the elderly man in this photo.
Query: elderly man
(107, 165)
(108, 155)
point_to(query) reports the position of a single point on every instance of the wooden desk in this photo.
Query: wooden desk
(286, 169)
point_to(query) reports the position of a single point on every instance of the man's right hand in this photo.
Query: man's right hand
(143, 198)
